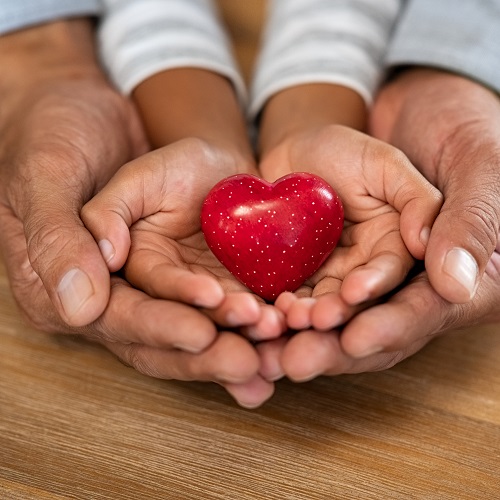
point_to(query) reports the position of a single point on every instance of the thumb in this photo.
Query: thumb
(134, 192)
(109, 215)
(462, 241)
(67, 260)
(407, 190)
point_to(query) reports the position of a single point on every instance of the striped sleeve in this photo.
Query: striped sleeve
(323, 41)
(18, 14)
(139, 38)
(463, 37)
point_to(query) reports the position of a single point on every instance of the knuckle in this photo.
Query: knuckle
(480, 221)
(136, 357)
(45, 238)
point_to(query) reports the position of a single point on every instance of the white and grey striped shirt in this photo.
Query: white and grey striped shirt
(342, 42)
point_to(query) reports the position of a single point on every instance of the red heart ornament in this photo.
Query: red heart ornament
(272, 236)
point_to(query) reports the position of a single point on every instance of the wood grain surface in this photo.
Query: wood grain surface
(77, 424)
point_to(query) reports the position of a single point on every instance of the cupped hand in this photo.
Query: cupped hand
(448, 126)
(60, 140)
(389, 210)
(385, 334)
(147, 223)
(147, 220)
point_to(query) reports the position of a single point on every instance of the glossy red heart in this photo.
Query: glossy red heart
(272, 237)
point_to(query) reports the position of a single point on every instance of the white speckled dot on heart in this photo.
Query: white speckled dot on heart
(272, 237)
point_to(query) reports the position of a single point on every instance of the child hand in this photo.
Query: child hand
(389, 211)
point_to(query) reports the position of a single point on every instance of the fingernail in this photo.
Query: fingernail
(209, 297)
(368, 351)
(107, 250)
(275, 376)
(462, 267)
(188, 348)
(425, 235)
(74, 289)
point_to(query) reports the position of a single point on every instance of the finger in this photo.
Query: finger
(308, 354)
(133, 317)
(380, 275)
(149, 272)
(311, 354)
(270, 325)
(270, 353)
(406, 189)
(298, 316)
(284, 301)
(134, 192)
(415, 312)
(330, 311)
(251, 394)
(237, 309)
(230, 359)
(66, 258)
(463, 238)
(27, 288)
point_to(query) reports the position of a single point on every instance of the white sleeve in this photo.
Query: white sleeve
(139, 38)
(19, 14)
(463, 37)
(318, 41)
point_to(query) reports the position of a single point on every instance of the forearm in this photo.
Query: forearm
(337, 43)
(309, 107)
(191, 102)
(180, 72)
(46, 53)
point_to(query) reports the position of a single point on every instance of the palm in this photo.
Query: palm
(151, 211)
(371, 257)
(164, 242)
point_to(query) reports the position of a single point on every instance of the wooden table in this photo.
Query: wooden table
(77, 424)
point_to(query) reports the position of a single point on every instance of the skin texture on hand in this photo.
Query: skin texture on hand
(54, 154)
(448, 126)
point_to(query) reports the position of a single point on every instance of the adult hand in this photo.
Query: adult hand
(448, 126)
(63, 133)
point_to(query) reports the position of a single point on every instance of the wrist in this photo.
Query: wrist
(191, 102)
(309, 107)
